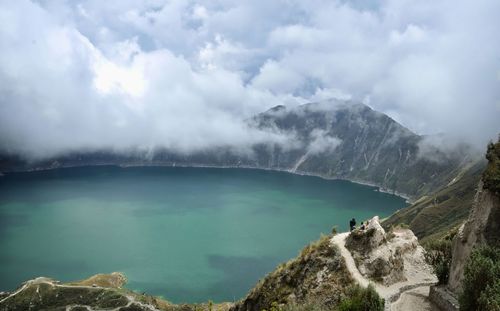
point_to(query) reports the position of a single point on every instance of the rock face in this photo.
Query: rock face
(386, 258)
(482, 227)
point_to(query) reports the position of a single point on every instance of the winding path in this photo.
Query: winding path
(410, 295)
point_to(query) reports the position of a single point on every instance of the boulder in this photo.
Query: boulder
(381, 256)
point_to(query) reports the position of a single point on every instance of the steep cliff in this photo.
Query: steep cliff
(483, 224)
(482, 228)
(351, 141)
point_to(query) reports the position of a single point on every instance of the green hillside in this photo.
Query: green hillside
(434, 215)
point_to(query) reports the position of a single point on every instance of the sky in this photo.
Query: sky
(184, 75)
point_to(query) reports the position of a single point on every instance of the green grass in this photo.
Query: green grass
(481, 283)
(361, 299)
(433, 216)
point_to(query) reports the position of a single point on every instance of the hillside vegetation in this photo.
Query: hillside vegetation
(435, 215)
(481, 284)
(480, 288)
(491, 176)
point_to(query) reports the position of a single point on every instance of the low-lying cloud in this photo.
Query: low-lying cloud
(321, 142)
(185, 75)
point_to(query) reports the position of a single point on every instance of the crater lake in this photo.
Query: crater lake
(186, 234)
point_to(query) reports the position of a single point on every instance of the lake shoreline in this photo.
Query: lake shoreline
(406, 197)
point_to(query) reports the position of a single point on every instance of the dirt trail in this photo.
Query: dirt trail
(410, 295)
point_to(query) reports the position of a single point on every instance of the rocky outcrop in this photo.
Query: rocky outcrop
(393, 262)
(364, 241)
(443, 298)
(386, 258)
(482, 227)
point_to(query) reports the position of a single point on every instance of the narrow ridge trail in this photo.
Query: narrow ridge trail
(410, 295)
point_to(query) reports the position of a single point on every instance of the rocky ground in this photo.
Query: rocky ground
(393, 262)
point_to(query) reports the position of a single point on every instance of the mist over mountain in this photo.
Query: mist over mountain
(184, 75)
(332, 139)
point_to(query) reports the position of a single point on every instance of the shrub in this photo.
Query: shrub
(490, 298)
(362, 299)
(438, 256)
(481, 283)
(491, 176)
(310, 305)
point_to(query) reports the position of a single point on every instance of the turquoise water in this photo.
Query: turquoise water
(187, 234)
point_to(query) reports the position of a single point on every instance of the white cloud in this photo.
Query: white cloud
(185, 74)
(321, 142)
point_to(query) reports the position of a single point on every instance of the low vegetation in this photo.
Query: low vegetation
(113, 280)
(362, 299)
(481, 284)
(439, 254)
(434, 215)
(356, 298)
(491, 176)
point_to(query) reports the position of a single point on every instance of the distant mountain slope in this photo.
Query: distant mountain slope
(332, 139)
(352, 141)
(433, 216)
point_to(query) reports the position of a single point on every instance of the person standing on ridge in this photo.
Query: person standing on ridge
(352, 224)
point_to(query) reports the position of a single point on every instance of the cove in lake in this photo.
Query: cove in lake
(187, 234)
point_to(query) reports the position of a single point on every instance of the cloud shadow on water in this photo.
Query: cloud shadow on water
(240, 274)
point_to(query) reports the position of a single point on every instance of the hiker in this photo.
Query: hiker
(352, 224)
(363, 226)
